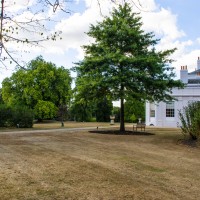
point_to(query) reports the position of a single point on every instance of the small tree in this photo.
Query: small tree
(22, 117)
(190, 120)
(62, 113)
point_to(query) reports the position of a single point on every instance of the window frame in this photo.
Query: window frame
(152, 110)
(170, 109)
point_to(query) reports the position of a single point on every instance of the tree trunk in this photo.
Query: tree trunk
(122, 127)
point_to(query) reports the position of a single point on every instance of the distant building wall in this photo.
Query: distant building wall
(166, 113)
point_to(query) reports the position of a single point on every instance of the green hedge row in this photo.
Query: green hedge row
(19, 116)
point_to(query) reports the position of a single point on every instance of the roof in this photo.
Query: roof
(194, 72)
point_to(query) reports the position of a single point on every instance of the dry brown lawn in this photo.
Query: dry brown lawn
(60, 165)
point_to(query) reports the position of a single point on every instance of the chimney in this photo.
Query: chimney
(198, 63)
(184, 74)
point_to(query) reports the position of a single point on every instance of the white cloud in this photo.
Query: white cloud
(189, 59)
(75, 27)
(163, 23)
(144, 5)
(13, 6)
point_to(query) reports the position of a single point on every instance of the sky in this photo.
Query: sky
(175, 22)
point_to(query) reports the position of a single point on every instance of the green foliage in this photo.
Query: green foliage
(11, 116)
(123, 62)
(41, 81)
(5, 116)
(87, 104)
(23, 117)
(116, 113)
(62, 113)
(45, 110)
(93, 119)
(190, 120)
(1, 99)
(81, 110)
(132, 118)
(134, 109)
(103, 110)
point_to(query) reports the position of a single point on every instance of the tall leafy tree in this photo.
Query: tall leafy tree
(42, 81)
(122, 61)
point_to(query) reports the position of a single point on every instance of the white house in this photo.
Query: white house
(165, 114)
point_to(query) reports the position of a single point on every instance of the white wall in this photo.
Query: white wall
(183, 96)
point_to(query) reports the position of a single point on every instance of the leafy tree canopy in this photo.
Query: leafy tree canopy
(41, 81)
(45, 110)
(122, 61)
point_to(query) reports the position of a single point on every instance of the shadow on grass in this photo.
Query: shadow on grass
(118, 132)
(189, 142)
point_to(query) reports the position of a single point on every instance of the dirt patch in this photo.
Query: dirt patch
(118, 132)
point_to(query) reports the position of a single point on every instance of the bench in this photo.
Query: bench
(141, 126)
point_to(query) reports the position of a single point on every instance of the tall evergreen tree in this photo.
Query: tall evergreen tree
(123, 61)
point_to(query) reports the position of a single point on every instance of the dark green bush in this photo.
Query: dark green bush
(19, 116)
(22, 117)
(5, 116)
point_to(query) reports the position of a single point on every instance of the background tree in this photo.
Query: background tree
(103, 109)
(1, 98)
(116, 113)
(133, 110)
(62, 113)
(45, 110)
(87, 103)
(124, 62)
(41, 81)
(82, 105)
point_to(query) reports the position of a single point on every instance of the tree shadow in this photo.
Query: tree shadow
(189, 142)
(118, 132)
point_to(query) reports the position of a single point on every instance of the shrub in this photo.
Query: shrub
(11, 116)
(5, 116)
(23, 117)
(190, 120)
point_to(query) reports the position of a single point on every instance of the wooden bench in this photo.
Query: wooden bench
(141, 126)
